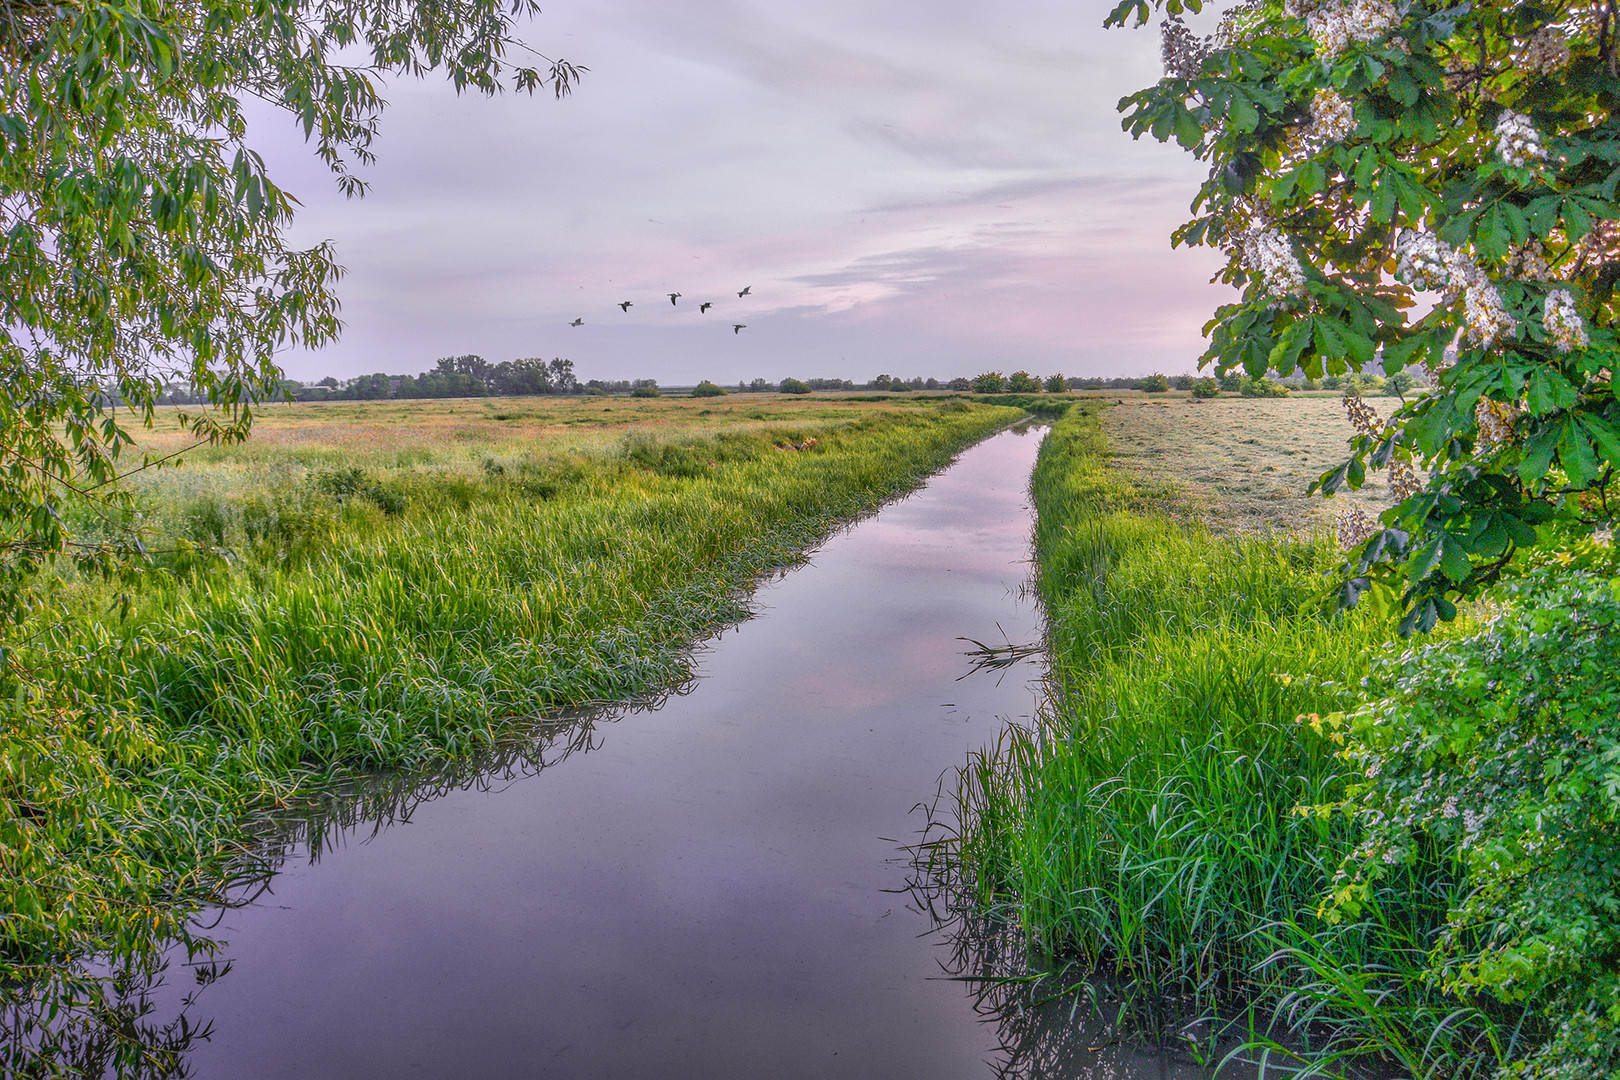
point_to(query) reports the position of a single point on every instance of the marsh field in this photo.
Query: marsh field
(369, 587)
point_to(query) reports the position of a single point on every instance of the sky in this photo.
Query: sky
(911, 187)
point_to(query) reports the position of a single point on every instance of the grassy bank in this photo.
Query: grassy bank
(358, 590)
(1147, 826)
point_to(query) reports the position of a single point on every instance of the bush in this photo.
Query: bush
(1399, 383)
(1232, 382)
(1055, 384)
(990, 382)
(1490, 760)
(708, 389)
(1262, 388)
(1205, 387)
(1022, 382)
(1359, 385)
(960, 383)
(1157, 383)
(1182, 382)
(794, 386)
(645, 392)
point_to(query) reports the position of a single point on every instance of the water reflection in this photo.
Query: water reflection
(707, 892)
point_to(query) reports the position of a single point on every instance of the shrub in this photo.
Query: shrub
(794, 386)
(1497, 752)
(1182, 382)
(990, 382)
(1022, 382)
(1262, 388)
(708, 389)
(645, 392)
(960, 383)
(1157, 383)
(1232, 381)
(1399, 383)
(1055, 384)
(1206, 387)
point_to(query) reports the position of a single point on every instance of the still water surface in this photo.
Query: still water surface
(714, 888)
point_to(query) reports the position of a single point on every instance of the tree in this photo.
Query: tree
(1157, 383)
(990, 382)
(794, 386)
(144, 241)
(1054, 384)
(1022, 382)
(1365, 154)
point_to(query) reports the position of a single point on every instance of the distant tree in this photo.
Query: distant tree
(794, 386)
(645, 392)
(990, 382)
(329, 382)
(708, 389)
(931, 384)
(1398, 384)
(1182, 382)
(1157, 383)
(1022, 382)
(1206, 387)
(1266, 388)
(960, 384)
(882, 382)
(368, 388)
(1055, 384)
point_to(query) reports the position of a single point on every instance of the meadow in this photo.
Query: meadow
(365, 587)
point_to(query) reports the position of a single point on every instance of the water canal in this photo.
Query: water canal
(712, 888)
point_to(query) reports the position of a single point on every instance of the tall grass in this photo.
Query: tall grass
(1148, 823)
(370, 618)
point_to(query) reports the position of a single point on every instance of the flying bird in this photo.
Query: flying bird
(577, 322)
(625, 306)
(738, 327)
(705, 306)
(746, 290)
(672, 297)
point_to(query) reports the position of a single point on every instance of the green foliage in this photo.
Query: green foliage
(1268, 388)
(1500, 752)
(647, 392)
(1362, 154)
(144, 239)
(708, 389)
(990, 382)
(1157, 383)
(1022, 382)
(794, 386)
(1206, 387)
(1055, 384)
(1400, 384)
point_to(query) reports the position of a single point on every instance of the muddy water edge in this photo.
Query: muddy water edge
(715, 886)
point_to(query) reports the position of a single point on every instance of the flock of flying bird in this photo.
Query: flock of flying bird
(625, 306)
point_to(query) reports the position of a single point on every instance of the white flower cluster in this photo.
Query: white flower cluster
(1426, 262)
(1421, 260)
(1266, 252)
(1333, 117)
(1335, 25)
(1354, 527)
(1528, 261)
(1547, 51)
(1485, 317)
(1183, 53)
(1517, 139)
(1563, 322)
(1495, 422)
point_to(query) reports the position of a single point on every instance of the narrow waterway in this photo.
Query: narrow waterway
(712, 888)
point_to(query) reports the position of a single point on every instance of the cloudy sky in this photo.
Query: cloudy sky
(917, 187)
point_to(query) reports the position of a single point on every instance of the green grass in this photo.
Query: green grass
(1146, 825)
(383, 608)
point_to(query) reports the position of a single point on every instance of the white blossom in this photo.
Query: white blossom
(1422, 260)
(1528, 261)
(1547, 51)
(1563, 322)
(1266, 252)
(1485, 318)
(1517, 139)
(1335, 25)
(1333, 117)
(1183, 54)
